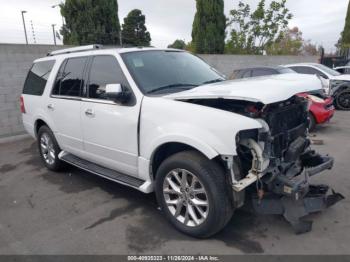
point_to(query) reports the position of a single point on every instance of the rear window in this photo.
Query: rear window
(37, 77)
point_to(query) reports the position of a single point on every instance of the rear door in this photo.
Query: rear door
(65, 102)
(110, 129)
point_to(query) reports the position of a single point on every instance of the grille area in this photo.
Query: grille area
(287, 122)
(286, 118)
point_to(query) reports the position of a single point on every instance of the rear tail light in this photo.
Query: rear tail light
(21, 102)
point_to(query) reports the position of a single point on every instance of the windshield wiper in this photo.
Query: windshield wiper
(174, 86)
(213, 81)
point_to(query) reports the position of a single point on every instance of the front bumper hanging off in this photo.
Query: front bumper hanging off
(301, 198)
(294, 211)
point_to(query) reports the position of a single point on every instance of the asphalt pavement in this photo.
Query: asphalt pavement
(75, 212)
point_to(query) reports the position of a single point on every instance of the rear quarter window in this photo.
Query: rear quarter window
(37, 77)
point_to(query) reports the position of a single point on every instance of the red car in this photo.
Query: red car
(321, 109)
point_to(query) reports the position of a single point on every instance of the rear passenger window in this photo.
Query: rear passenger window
(37, 77)
(69, 80)
(104, 70)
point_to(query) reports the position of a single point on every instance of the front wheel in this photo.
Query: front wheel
(342, 100)
(193, 193)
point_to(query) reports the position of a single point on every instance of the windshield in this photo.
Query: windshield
(158, 72)
(327, 70)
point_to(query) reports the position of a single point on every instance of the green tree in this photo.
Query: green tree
(208, 30)
(178, 44)
(310, 48)
(338, 45)
(345, 38)
(290, 42)
(241, 41)
(90, 21)
(253, 32)
(134, 30)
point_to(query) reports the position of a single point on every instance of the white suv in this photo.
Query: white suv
(335, 83)
(163, 120)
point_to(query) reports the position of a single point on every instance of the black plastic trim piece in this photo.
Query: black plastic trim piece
(102, 171)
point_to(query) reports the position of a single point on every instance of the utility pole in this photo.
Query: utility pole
(120, 27)
(54, 35)
(54, 6)
(24, 25)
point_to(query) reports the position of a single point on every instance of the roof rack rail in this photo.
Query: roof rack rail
(74, 49)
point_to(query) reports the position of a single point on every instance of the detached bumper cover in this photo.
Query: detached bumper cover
(295, 198)
(294, 211)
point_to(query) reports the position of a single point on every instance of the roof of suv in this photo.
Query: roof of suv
(100, 50)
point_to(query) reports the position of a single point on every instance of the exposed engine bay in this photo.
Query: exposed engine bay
(274, 163)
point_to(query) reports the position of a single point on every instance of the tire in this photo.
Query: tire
(312, 122)
(342, 100)
(211, 178)
(49, 155)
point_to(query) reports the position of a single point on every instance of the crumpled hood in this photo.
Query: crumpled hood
(266, 89)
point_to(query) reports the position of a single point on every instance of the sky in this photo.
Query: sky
(321, 21)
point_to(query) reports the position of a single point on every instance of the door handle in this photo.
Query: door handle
(89, 112)
(50, 107)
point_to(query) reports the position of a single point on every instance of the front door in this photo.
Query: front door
(109, 129)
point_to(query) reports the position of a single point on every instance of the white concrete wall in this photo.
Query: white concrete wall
(15, 61)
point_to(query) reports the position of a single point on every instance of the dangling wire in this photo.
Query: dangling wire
(259, 189)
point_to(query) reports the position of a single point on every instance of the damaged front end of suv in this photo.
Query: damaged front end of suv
(274, 164)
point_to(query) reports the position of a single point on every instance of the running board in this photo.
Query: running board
(101, 171)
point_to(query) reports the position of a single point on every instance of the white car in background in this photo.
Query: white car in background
(343, 69)
(335, 83)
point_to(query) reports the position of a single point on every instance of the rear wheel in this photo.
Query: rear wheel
(342, 100)
(49, 149)
(193, 194)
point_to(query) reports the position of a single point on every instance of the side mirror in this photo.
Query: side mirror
(115, 92)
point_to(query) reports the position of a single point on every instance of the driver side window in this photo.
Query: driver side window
(104, 70)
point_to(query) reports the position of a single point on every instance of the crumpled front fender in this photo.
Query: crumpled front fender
(210, 130)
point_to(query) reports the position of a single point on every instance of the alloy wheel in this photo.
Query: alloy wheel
(186, 197)
(47, 149)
